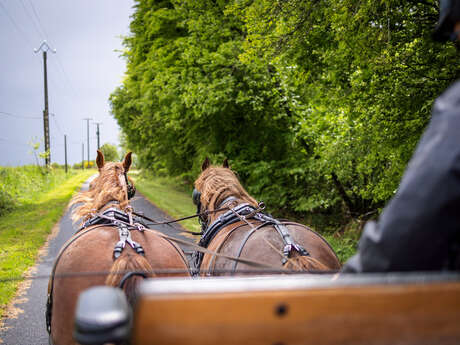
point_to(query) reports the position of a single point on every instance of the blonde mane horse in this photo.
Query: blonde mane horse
(91, 250)
(219, 188)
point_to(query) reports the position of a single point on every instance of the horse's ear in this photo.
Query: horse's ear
(225, 165)
(100, 160)
(127, 161)
(206, 164)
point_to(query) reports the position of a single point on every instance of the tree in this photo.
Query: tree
(318, 104)
(110, 152)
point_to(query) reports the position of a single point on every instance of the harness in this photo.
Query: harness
(241, 213)
(124, 222)
(131, 190)
(111, 217)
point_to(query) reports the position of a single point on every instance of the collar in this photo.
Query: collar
(226, 200)
(111, 212)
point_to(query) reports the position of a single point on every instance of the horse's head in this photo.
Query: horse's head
(113, 177)
(216, 185)
(111, 185)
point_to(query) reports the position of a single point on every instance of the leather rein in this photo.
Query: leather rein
(124, 221)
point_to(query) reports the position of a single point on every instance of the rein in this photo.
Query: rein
(130, 225)
(198, 248)
(206, 213)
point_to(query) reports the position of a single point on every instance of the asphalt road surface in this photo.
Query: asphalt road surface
(25, 324)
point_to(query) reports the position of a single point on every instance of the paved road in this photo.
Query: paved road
(28, 328)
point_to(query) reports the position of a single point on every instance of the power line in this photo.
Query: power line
(21, 116)
(23, 34)
(37, 29)
(38, 18)
(40, 30)
(61, 66)
(57, 124)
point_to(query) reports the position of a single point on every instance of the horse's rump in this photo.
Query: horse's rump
(266, 245)
(92, 252)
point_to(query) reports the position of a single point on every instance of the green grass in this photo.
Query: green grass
(175, 198)
(24, 229)
(171, 196)
(344, 242)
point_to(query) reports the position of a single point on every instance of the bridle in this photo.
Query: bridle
(112, 217)
(202, 216)
(131, 190)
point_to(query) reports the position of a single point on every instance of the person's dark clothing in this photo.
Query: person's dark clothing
(419, 230)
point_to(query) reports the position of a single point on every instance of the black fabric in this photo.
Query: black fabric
(449, 14)
(420, 227)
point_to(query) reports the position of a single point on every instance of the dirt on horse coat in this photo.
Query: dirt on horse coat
(91, 250)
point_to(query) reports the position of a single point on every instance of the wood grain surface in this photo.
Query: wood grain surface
(377, 314)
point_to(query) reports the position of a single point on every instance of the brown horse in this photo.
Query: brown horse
(245, 232)
(95, 248)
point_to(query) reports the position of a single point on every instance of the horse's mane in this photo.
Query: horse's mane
(109, 185)
(218, 183)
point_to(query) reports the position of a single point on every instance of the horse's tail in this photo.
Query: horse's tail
(127, 263)
(304, 263)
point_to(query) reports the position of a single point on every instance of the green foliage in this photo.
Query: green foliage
(318, 104)
(110, 152)
(24, 229)
(77, 166)
(364, 76)
(20, 185)
(7, 202)
(169, 194)
(187, 94)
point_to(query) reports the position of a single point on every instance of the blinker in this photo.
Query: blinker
(130, 187)
(196, 196)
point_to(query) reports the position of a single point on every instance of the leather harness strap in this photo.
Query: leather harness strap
(245, 239)
(212, 262)
(242, 213)
(289, 243)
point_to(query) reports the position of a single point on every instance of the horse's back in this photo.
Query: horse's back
(86, 260)
(315, 244)
(265, 245)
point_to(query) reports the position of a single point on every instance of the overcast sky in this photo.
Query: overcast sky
(82, 74)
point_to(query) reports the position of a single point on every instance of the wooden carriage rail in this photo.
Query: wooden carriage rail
(405, 308)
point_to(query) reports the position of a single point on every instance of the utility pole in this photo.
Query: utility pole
(44, 47)
(82, 156)
(87, 136)
(65, 152)
(97, 133)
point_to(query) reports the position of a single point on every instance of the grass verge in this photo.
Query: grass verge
(175, 198)
(25, 229)
(171, 196)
